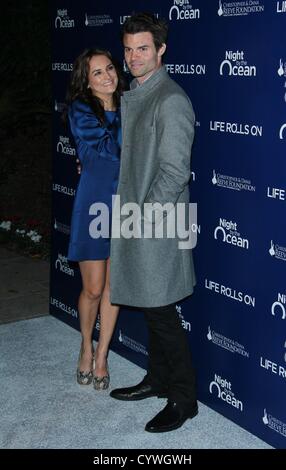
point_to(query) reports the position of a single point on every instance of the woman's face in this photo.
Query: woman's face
(102, 76)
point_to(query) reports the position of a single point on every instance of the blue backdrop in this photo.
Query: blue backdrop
(230, 58)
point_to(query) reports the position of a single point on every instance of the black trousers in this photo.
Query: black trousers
(170, 364)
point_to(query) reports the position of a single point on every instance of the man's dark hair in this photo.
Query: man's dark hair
(147, 22)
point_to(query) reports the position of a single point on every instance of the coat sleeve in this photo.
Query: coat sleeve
(175, 133)
(89, 130)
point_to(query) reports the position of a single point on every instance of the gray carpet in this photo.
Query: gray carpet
(42, 406)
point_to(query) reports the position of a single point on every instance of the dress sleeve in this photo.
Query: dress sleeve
(87, 127)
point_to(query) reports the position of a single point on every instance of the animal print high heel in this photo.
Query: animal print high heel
(83, 377)
(101, 383)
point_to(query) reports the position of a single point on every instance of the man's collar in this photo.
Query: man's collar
(148, 83)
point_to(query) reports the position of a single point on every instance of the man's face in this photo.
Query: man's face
(141, 55)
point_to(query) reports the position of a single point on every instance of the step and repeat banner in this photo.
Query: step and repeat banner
(230, 58)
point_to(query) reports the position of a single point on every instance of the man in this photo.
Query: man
(153, 273)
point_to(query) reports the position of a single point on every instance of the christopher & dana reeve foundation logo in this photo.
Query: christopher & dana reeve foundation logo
(240, 8)
(231, 182)
(277, 251)
(59, 107)
(226, 343)
(273, 423)
(92, 21)
(281, 72)
(132, 343)
(61, 227)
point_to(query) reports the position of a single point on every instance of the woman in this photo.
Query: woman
(93, 98)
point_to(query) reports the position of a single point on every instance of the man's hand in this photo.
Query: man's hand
(78, 166)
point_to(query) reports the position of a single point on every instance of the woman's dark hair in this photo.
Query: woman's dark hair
(78, 86)
(146, 22)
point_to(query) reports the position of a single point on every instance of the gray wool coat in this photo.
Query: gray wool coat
(158, 130)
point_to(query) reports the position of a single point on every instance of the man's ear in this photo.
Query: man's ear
(162, 49)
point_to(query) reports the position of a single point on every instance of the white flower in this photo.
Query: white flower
(36, 238)
(6, 225)
(32, 233)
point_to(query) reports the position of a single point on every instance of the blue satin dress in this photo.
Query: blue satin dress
(98, 149)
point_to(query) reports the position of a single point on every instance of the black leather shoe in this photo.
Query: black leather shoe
(138, 392)
(171, 417)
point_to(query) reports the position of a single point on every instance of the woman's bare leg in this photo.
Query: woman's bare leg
(108, 317)
(93, 275)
